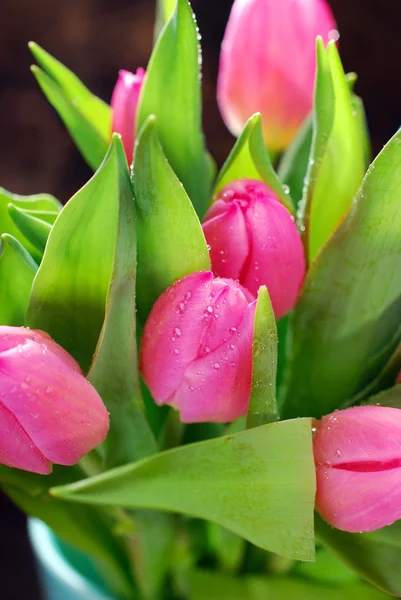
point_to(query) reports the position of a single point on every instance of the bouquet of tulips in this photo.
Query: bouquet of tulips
(193, 362)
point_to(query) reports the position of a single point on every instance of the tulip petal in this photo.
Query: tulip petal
(124, 104)
(51, 401)
(227, 237)
(217, 387)
(358, 466)
(358, 501)
(173, 332)
(16, 447)
(277, 257)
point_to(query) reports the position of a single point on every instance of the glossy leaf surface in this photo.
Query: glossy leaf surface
(259, 484)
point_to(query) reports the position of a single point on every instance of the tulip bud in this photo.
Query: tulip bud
(253, 238)
(268, 64)
(124, 103)
(49, 412)
(197, 348)
(358, 468)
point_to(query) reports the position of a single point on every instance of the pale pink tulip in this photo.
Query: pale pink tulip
(124, 104)
(358, 467)
(49, 412)
(253, 238)
(197, 348)
(268, 64)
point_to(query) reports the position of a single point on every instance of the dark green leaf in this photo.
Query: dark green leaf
(17, 270)
(91, 143)
(259, 484)
(337, 163)
(35, 230)
(171, 243)
(375, 556)
(214, 586)
(263, 403)
(249, 159)
(172, 92)
(346, 323)
(294, 163)
(43, 203)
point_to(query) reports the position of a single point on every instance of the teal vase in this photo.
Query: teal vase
(64, 573)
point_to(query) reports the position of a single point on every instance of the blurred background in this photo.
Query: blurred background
(95, 38)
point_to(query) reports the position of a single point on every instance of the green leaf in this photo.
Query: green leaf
(85, 528)
(229, 547)
(43, 203)
(249, 159)
(92, 145)
(337, 163)
(172, 92)
(171, 243)
(390, 397)
(346, 323)
(259, 484)
(96, 112)
(113, 371)
(263, 404)
(295, 160)
(164, 11)
(207, 584)
(374, 556)
(71, 288)
(328, 569)
(35, 230)
(17, 270)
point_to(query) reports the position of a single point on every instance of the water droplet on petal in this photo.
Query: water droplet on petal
(176, 351)
(178, 332)
(216, 365)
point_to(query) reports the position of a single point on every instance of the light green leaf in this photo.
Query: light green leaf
(328, 569)
(375, 556)
(346, 323)
(249, 159)
(172, 92)
(294, 162)
(90, 142)
(35, 230)
(263, 405)
(17, 270)
(213, 586)
(337, 163)
(71, 287)
(96, 112)
(164, 11)
(259, 484)
(171, 243)
(43, 203)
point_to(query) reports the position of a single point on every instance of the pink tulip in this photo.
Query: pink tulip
(49, 412)
(197, 348)
(124, 103)
(268, 64)
(253, 238)
(358, 467)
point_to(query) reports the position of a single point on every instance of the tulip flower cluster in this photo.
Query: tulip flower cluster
(224, 346)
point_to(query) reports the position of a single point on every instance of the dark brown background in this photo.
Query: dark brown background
(95, 38)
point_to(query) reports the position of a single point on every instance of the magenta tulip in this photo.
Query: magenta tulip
(253, 238)
(49, 412)
(197, 348)
(268, 64)
(124, 104)
(358, 467)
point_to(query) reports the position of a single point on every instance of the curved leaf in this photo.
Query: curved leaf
(172, 92)
(17, 270)
(263, 403)
(171, 243)
(259, 484)
(346, 323)
(35, 230)
(337, 163)
(249, 159)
